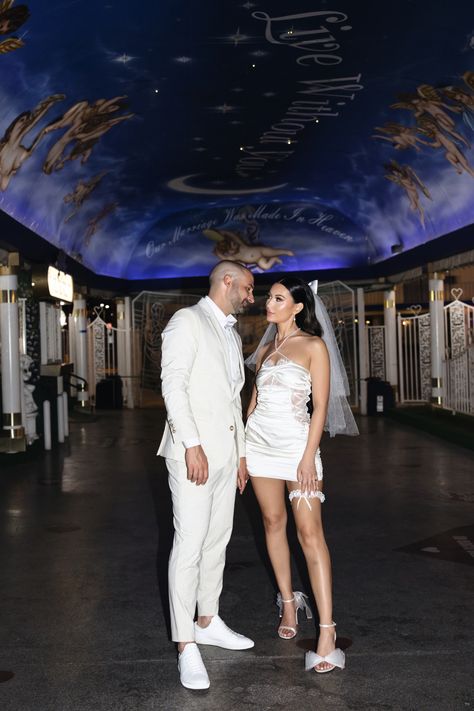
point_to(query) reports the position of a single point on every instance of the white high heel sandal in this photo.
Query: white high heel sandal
(336, 658)
(300, 604)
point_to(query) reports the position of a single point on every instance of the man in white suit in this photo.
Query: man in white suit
(204, 447)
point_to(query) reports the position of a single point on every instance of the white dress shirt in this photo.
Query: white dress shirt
(227, 323)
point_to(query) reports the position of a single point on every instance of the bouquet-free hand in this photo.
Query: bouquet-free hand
(242, 475)
(196, 465)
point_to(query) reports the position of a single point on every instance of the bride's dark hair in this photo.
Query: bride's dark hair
(302, 294)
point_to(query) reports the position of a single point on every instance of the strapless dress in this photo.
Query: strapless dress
(277, 429)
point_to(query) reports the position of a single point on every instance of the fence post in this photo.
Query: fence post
(80, 324)
(363, 363)
(390, 321)
(436, 289)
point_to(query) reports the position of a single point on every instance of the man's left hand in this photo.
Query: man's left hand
(242, 475)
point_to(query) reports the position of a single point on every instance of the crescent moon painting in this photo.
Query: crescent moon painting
(182, 186)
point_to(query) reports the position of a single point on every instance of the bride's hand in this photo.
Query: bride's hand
(306, 475)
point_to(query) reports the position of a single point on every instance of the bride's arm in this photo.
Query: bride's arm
(253, 401)
(320, 376)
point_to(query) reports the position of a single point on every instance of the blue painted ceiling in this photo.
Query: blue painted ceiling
(148, 140)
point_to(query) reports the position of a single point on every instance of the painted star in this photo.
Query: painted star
(225, 108)
(237, 37)
(200, 149)
(269, 94)
(123, 58)
(249, 5)
(259, 53)
(183, 60)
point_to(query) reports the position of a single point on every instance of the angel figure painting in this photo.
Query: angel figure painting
(406, 178)
(230, 245)
(11, 19)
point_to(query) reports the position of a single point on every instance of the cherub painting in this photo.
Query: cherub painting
(13, 152)
(85, 124)
(452, 153)
(93, 224)
(406, 178)
(81, 192)
(426, 101)
(230, 245)
(435, 112)
(463, 100)
(11, 19)
(399, 136)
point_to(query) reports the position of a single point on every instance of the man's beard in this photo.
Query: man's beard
(240, 306)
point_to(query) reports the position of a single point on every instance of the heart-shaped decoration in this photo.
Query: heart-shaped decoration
(456, 293)
(415, 309)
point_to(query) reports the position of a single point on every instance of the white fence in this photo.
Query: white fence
(414, 356)
(459, 362)
(376, 351)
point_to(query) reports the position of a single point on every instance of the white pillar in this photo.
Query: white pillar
(10, 356)
(363, 360)
(79, 315)
(128, 350)
(121, 347)
(436, 288)
(390, 322)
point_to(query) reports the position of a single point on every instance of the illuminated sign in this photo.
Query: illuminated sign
(53, 284)
(60, 285)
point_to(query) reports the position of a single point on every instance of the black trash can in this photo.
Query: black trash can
(108, 393)
(380, 396)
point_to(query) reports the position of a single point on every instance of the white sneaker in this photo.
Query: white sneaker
(219, 635)
(192, 672)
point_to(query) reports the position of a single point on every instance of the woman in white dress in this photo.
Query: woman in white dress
(293, 365)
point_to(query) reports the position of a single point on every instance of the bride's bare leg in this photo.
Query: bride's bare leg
(311, 537)
(270, 495)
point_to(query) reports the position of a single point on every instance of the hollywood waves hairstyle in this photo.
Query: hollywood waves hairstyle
(302, 294)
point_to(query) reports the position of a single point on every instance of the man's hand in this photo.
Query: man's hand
(242, 475)
(196, 464)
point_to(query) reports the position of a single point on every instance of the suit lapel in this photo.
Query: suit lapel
(216, 327)
(236, 338)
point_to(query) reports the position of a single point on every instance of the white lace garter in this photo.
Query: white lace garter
(311, 495)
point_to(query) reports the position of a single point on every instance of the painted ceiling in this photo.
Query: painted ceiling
(148, 140)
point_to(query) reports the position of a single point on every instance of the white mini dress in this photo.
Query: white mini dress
(277, 429)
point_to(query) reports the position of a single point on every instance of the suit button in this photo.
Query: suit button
(231, 428)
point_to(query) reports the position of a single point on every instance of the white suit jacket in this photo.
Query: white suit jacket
(201, 401)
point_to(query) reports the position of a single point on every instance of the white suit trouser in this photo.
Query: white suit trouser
(203, 518)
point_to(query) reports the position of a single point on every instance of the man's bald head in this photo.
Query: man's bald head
(227, 268)
(231, 286)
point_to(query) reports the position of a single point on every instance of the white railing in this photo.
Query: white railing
(414, 356)
(102, 351)
(459, 379)
(459, 360)
(376, 351)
